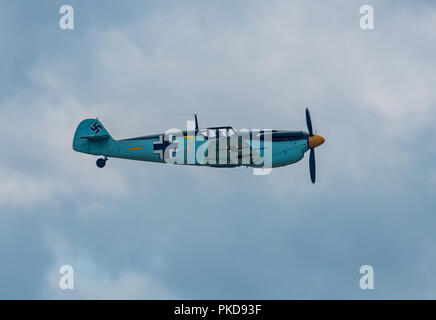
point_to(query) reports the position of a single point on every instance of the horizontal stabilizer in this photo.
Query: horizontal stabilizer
(96, 137)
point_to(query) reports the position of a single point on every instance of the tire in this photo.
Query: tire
(101, 163)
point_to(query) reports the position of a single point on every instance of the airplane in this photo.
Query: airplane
(221, 147)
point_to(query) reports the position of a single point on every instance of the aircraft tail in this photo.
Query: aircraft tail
(91, 137)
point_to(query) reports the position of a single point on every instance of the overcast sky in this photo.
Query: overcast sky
(144, 230)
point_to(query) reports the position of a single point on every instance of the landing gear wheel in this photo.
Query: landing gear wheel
(101, 162)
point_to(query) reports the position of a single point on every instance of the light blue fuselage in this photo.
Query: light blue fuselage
(284, 147)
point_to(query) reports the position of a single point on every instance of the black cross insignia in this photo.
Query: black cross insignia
(160, 147)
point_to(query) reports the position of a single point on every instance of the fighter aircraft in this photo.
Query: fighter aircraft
(222, 147)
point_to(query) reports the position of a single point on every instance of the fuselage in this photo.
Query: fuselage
(286, 148)
(279, 148)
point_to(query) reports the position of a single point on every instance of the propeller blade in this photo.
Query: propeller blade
(312, 166)
(309, 122)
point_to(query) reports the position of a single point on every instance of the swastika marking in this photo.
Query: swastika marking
(96, 127)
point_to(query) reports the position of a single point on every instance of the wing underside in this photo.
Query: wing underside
(232, 150)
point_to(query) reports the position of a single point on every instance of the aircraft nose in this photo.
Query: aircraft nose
(315, 141)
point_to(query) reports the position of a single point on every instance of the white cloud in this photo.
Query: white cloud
(92, 282)
(19, 189)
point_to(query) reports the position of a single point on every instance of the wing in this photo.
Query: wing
(234, 145)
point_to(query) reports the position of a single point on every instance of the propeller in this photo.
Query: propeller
(314, 141)
(309, 122)
(312, 166)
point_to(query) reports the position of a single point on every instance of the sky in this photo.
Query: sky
(137, 230)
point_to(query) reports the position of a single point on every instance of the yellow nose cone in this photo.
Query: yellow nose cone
(315, 141)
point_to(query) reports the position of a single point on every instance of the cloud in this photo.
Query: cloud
(18, 190)
(93, 282)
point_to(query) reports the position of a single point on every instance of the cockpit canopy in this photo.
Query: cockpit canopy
(217, 132)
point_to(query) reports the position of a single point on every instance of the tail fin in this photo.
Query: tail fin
(88, 133)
